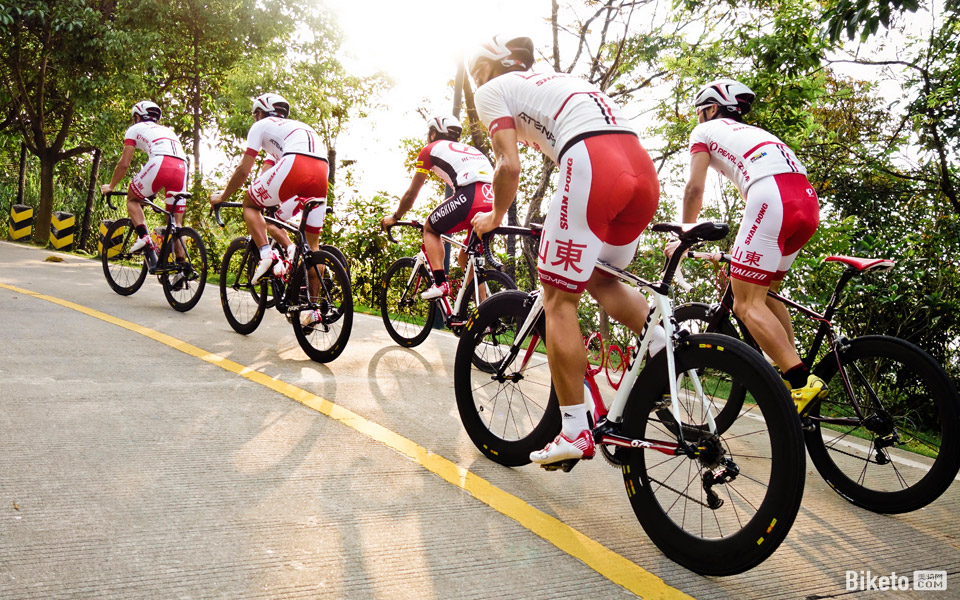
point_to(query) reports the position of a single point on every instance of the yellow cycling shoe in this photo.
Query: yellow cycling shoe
(804, 397)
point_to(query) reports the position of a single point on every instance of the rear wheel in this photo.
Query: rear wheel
(905, 450)
(244, 303)
(407, 317)
(125, 271)
(721, 502)
(338, 255)
(511, 411)
(323, 312)
(184, 284)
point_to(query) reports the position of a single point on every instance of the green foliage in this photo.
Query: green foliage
(864, 16)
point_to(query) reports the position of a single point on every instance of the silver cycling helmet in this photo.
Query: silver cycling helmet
(447, 126)
(146, 110)
(507, 50)
(729, 94)
(273, 105)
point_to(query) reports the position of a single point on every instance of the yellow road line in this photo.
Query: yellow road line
(604, 561)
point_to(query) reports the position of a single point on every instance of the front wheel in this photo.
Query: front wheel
(322, 311)
(407, 317)
(697, 317)
(718, 503)
(902, 450)
(244, 303)
(508, 410)
(186, 258)
(124, 270)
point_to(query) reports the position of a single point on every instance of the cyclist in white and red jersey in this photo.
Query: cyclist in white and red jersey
(468, 172)
(295, 171)
(166, 169)
(781, 215)
(607, 193)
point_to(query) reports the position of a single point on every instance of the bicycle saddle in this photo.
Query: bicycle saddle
(707, 231)
(863, 264)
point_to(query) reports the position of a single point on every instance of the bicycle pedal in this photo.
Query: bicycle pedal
(807, 424)
(563, 465)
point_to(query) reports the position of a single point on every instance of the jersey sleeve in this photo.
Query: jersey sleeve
(130, 137)
(492, 106)
(698, 140)
(255, 138)
(425, 159)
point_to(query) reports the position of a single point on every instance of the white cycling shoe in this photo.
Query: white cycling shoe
(563, 448)
(140, 244)
(264, 265)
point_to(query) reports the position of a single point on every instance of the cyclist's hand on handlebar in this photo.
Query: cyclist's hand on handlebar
(106, 188)
(216, 198)
(484, 222)
(388, 221)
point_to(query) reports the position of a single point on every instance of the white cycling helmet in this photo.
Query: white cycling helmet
(507, 50)
(447, 126)
(273, 105)
(146, 110)
(727, 93)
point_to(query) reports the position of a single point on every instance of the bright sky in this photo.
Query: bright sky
(416, 44)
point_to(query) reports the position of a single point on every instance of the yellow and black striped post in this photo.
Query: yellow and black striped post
(61, 230)
(21, 221)
(113, 247)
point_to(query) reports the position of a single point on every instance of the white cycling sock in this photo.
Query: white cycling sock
(290, 250)
(574, 419)
(265, 251)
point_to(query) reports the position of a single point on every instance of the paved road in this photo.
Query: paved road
(148, 453)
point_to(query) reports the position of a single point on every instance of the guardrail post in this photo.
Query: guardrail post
(62, 225)
(21, 221)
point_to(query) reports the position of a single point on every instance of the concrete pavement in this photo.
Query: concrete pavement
(129, 468)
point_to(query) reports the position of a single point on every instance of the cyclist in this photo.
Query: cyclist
(468, 172)
(294, 172)
(607, 193)
(166, 168)
(781, 215)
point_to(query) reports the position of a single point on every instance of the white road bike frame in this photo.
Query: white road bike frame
(468, 273)
(662, 313)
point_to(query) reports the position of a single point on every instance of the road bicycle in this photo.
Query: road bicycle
(180, 263)
(887, 437)
(717, 501)
(313, 290)
(409, 318)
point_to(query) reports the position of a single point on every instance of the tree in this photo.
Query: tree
(191, 62)
(55, 70)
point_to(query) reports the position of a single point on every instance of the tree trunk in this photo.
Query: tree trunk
(604, 325)
(88, 208)
(331, 165)
(512, 241)
(41, 232)
(22, 182)
(196, 131)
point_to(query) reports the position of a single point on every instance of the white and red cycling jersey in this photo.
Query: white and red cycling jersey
(296, 166)
(454, 163)
(607, 188)
(277, 137)
(154, 139)
(166, 166)
(550, 111)
(743, 153)
(782, 210)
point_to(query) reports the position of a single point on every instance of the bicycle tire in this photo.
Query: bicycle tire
(407, 317)
(125, 272)
(244, 304)
(323, 328)
(695, 318)
(509, 419)
(191, 273)
(916, 397)
(759, 504)
(341, 258)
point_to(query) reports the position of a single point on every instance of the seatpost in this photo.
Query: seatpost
(845, 278)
